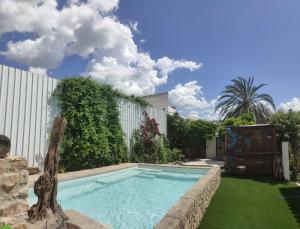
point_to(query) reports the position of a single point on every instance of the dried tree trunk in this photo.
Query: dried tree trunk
(46, 186)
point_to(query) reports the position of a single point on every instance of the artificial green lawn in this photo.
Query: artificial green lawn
(253, 203)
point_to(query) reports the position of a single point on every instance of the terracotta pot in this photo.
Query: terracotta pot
(4, 146)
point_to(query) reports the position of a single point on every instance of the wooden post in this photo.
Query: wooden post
(46, 186)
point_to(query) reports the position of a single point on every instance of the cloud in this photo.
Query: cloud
(293, 104)
(167, 65)
(40, 71)
(190, 99)
(134, 26)
(90, 30)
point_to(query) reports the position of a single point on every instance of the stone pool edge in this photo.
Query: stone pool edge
(85, 173)
(190, 209)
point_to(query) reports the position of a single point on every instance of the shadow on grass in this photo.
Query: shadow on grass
(292, 196)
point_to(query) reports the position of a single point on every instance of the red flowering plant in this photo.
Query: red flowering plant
(149, 129)
(144, 147)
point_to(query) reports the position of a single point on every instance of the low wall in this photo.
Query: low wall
(189, 210)
(13, 192)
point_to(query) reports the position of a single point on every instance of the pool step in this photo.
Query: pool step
(147, 176)
(116, 178)
(173, 177)
(79, 190)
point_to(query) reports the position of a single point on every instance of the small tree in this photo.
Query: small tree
(287, 126)
(144, 143)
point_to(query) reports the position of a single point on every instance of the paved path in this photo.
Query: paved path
(205, 162)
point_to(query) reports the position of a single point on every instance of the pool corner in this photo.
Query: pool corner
(190, 209)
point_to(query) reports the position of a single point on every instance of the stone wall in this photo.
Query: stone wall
(13, 192)
(190, 209)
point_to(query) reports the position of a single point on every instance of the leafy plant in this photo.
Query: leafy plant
(93, 136)
(242, 97)
(189, 136)
(245, 119)
(144, 143)
(176, 129)
(287, 126)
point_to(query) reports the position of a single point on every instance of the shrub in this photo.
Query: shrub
(245, 119)
(189, 136)
(93, 136)
(145, 142)
(149, 146)
(175, 155)
(287, 126)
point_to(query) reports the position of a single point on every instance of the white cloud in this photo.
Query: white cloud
(88, 29)
(190, 99)
(40, 71)
(293, 104)
(134, 26)
(167, 65)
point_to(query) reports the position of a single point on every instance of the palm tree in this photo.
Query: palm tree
(242, 97)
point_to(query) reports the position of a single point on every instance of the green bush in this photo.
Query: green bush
(93, 136)
(189, 136)
(149, 146)
(245, 119)
(287, 126)
(145, 142)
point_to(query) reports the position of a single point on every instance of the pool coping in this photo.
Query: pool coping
(191, 207)
(187, 212)
(84, 173)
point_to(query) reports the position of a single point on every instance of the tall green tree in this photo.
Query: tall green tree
(241, 97)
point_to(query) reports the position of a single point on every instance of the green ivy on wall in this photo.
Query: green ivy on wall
(93, 136)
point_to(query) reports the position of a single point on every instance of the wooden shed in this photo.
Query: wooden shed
(251, 150)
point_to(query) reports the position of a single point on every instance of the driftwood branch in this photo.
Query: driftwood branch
(46, 186)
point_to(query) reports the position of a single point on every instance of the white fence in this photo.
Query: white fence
(26, 115)
(132, 114)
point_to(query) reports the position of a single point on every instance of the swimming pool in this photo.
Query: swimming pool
(133, 198)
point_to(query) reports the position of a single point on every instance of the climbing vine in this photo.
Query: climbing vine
(93, 136)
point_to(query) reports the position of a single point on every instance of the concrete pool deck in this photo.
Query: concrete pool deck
(205, 162)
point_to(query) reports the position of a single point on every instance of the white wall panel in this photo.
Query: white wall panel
(26, 113)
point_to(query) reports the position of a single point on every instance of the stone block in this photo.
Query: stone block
(80, 221)
(9, 181)
(12, 209)
(168, 222)
(12, 164)
(21, 193)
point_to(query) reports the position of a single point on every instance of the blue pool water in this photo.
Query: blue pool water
(134, 198)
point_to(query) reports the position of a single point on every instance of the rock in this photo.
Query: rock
(23, 177)
(33, 170)
(13, 192)
(20, 226)
(21, 194)
(4, 146)
(12, 164)
(8, 182)
(13, 209)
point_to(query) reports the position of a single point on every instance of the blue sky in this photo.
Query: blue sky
(212, 41)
